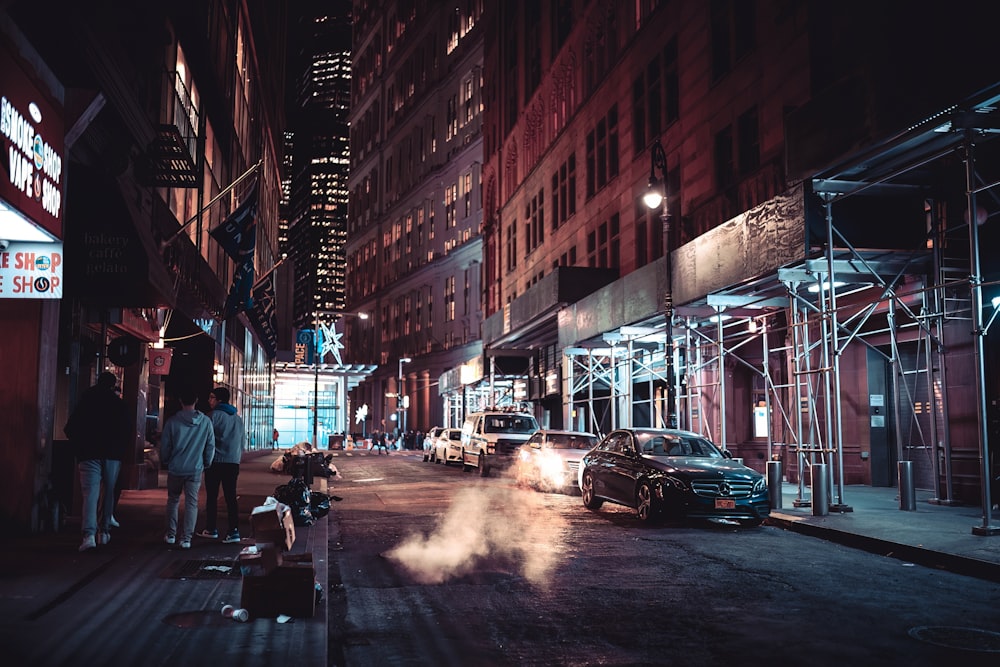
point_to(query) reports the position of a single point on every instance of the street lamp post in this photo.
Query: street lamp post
(656, 197)
(401, 412)
(319, 353)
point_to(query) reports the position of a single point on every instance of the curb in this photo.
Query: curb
(965, 566)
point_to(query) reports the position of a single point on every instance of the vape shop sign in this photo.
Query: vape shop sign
(31, 136)
(31, 271)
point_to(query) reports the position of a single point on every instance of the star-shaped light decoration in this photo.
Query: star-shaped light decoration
(330, 341)
(361, 414)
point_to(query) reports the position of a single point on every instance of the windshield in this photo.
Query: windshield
(567, 441)
(510, 424)
(658, 444)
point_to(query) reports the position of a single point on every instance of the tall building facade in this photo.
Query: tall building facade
(319, 106)
(414, 246)
(160, 124)
(816, 162)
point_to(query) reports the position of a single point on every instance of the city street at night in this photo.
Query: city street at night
(430, 565)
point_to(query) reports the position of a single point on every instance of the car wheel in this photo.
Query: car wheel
(644, 502)
(590, 501)
(484, 470)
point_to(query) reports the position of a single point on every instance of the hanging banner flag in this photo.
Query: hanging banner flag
(240, 294)
(237, 234)
(263, 315)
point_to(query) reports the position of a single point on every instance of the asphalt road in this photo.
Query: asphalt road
(433, 566)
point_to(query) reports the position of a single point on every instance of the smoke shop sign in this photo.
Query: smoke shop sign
(31, 131)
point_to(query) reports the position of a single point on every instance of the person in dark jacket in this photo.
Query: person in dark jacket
(230, 437)
(187, 447)
(99, 429)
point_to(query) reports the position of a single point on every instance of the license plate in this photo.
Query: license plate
(725, 504)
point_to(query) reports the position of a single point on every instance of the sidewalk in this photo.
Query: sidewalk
(938, 536)
(139, 601)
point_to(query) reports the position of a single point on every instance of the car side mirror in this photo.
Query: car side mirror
(726, 454)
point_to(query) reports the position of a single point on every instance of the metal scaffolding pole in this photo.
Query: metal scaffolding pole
(976, 287)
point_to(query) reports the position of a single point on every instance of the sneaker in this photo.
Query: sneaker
(185, 544)
(232, 537)
(210, 534)
(103, 538)
(88, 543)
(169, 539)
(114, 523)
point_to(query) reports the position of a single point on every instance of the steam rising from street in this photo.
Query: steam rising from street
(484, 525)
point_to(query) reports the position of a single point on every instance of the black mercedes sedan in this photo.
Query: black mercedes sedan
(674, 474)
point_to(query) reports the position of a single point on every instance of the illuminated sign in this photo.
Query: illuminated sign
(31, 271)
(32, 135)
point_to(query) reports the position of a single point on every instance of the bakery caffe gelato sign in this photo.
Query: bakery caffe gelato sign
(31, 130)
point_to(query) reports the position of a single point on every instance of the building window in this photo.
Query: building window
(511, 246)
(733, 33)
(739, 155)
(748, 135)
(452, 127)
(602, 152)
(604, 244)
(449, 299)
(450, 202)
(725, 175)
(564, 192)
(467, 193)
(535, 217)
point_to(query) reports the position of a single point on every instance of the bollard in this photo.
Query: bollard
(907, 494)
(820, 490)
(774, 484)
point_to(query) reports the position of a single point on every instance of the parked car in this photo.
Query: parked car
(490, 439)
(550, 459)
(672, 473)
(430, 440)
(448, 446)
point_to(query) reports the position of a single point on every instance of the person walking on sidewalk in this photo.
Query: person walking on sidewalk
(230, 437)
(99, 430)
(187, 447)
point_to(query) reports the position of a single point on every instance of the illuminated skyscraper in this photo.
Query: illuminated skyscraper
(319, 100)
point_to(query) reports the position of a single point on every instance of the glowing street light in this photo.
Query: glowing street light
(656, 197)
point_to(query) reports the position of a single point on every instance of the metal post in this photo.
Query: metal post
(975, 283)
(820, 489)
(774, 484)
(907, 493)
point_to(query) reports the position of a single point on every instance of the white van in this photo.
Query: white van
(491, 439)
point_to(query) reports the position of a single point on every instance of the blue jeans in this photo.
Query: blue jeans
(189, 485)
(98, 476)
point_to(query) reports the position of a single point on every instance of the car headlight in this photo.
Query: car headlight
(760, 485)
(673, 483)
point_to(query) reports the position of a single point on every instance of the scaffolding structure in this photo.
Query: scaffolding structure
(793, 326)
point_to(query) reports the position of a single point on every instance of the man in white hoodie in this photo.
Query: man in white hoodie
(230, 436)
(187, 447)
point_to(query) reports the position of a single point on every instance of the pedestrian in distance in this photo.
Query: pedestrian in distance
(230, 437)
(99, 430)
(187, 447)
(378, 442)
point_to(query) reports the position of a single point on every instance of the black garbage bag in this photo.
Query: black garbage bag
(295, 494)
(319, 504)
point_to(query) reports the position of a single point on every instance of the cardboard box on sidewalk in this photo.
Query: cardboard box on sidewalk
(288, 589)
(273, 524)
